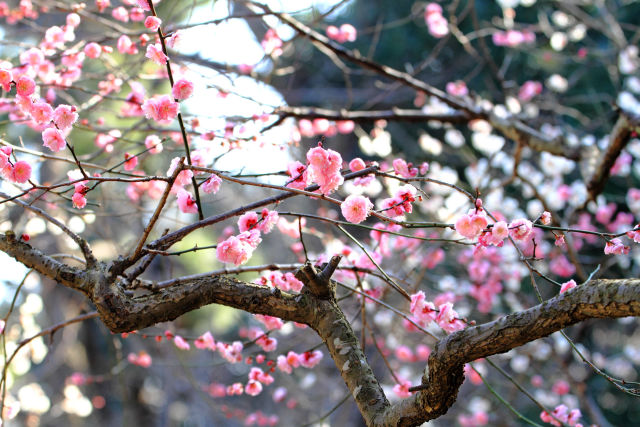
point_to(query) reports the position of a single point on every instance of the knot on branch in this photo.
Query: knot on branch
(320, 284)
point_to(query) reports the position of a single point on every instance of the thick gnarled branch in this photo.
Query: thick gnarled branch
(598, 299)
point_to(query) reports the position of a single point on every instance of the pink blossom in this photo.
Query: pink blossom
(248, 221)
(457, 88)
(403, 169)
(144, 4)
(324, 169)
(499, 232)
(604, 214)
(257, 374)
(233, 250)
(141, 359)
(345, 126)
(152, 23)
(357, 164)
(355, 208)
(332, 32)
(269, 322)
(182, 89)
(545, 218)
(471, 225)
(155, 53)
(521, 229)
(181, 343)
(102, 5)
(21, 172)
(279, 394)
(271, 43)
(298, 173)
(267, 343)
(447, 318)
(560, 241)
(402, 390)
(41, 112)
(284, 365)
(120, 14)
(6, 77)
(184, 177)
(33, 57)
(616, 247)
(212, 184)
(310, 359)
(253, 388)
(205, 342)
(73, 20)
(321, 126)
(404, 354)
(235, 389)
(64, 116)
(528, 90)
(561, 266)
(268, 220)
(423, 311)
(154, 144)
(130, 162)
(567, 285)
(125, 45)
(251, 238)
(25, 86)
(93, 50)
(186, 202)
(78, 200)
(52, 138)
(162, 109)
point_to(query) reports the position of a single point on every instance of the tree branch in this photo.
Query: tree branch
(394, 114)
(444, 375)
(618, 139)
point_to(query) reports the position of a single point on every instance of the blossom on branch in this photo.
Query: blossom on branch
(355, 208)
(155, 53)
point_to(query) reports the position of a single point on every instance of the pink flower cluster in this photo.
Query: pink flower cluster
(212, 184)
(263, 223)
(141, 359)
(561, 414)
(308, 359)
(356, 208)
(324, 169)
(437, 24)
(457, 88)
(346, 33)
(285, 282)
(78, 199)
(472, 224)
(616, 247)
(19, 172)
(407, 170)
(425, 312)
(402, 390)
(529, 90)
(513, 38)
(567, 285)
(155, 53)
(238, 249)
(186, 202)
(309, 129)
(400, 203)
(271, 43)
(162, 109)
(182, 89)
